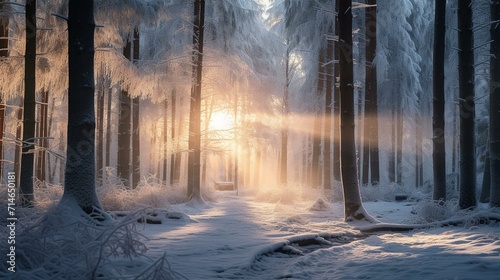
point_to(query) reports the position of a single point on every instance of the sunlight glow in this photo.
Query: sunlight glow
(221, 120)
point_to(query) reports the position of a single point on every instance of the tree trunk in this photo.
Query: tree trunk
(439, 148)
(194, 160)
(467, 106)
(79, 181)
(29, 121)
(486, 186)
(124, 168)
(100, 121)
(352, 200)
(316, 150)
(165, 140)
(495, 105)
(285, 122)
(392, 151)
(371, 111)
(329, 74)
(108, 123)
(336, 109)
(42, 136)
(4, 52)
(399, 145)
(136, 146)
(174, 157)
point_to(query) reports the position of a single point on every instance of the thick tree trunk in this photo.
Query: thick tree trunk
(329, 74)
(370, 153)
(439, 148)
(125, 158)
(29, 121)
(336, 109)
(495, 105)
(467, 106)
(4, 52)
(136, 146)
(79, 181)
(352, 199)
(194, 161)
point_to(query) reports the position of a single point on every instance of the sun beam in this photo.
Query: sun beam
(221, 120)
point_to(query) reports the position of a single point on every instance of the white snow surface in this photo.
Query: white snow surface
(239, 237)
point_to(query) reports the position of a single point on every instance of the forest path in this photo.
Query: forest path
(226, 236)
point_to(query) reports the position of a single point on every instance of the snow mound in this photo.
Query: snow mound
(319, 205)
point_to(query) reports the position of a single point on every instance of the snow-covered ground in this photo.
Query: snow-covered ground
(243, 238)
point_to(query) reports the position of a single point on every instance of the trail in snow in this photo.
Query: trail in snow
(240, 238)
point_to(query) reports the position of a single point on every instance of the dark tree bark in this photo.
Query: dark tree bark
(467, 106)
(136, 147)
(439, 148)
(371, 109)
(486, 186)
(27, 158)
(329, 74)
(108, 124)
(124, 168)
(43, 133)
(79, 181)
(352, 199)
(336, 109)
(315, 176)
(194, 160)
(399, 144)
(4, 52)
(495, 105)
(101, 84)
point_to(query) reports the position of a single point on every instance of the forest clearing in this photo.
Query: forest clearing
(250, 139)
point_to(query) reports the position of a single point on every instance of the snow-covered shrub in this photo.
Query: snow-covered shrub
(65, 243)
(428, 211)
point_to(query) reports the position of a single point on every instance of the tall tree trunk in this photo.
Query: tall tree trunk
(4, 52)
(124, 168)
(108, 122)
(18, 149)
(439, 148)
(399, 145)
(79, 181)
(392, 151)
(136, 146)
(371, 111)
(100, 121)
(336, 108)
(352, 199)
(285, 122)
(165, 140)
(42, 135)
(29, 121)
(329, 74)
(486, 186)
(467, 106)
(316, 150)
(194, 160)
(175, 156)
(495, 105)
